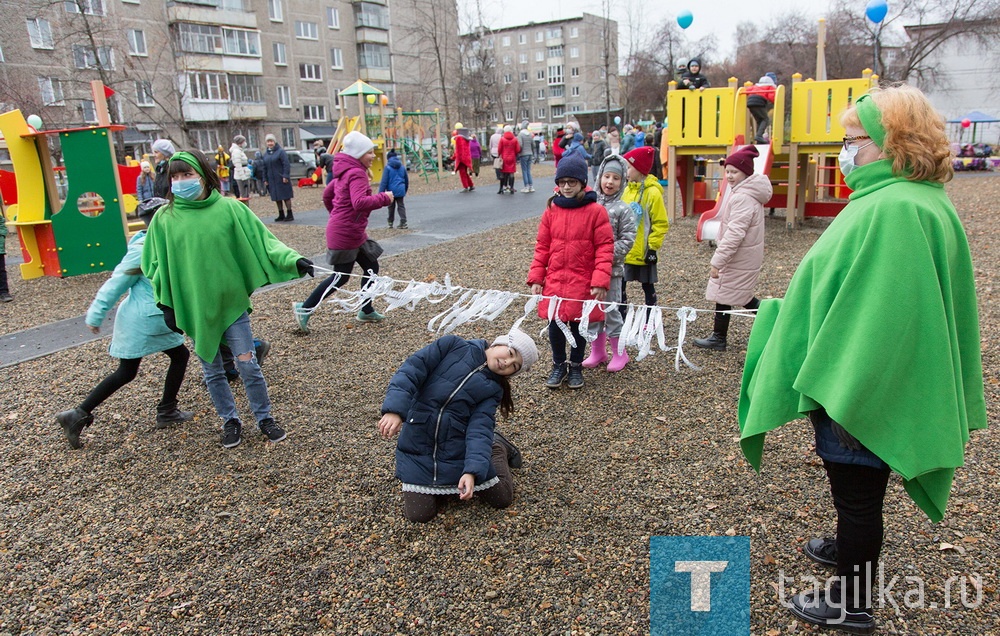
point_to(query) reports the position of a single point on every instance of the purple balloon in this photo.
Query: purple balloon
(684, 19)
(877, 10)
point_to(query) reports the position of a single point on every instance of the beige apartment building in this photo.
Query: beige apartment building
(543, 72)
(201, 71)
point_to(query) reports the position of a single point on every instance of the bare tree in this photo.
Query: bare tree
(427, 34)
(479, 83)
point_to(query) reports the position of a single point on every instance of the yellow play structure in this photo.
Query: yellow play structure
(802, 168)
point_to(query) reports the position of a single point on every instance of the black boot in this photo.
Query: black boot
(557, 376)
(575, 375)
(73, 422)
(289, 217)
(168, 413)
(281, 215)
(715, 342)
(720, 329)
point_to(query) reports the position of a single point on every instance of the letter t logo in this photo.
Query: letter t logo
(701, 581)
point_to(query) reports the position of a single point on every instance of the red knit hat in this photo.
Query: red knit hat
(641, 158)
(742, 159)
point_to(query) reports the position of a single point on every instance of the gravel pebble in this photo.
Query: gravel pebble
(165, 532)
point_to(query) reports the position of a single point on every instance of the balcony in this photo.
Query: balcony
(221, 17)
(368, 34)
(221, 63)
(221, 111)
(375, 74)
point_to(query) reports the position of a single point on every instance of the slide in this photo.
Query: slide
(708, 224)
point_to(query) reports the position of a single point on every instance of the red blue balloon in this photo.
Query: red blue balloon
(876, 10)
(684, 19)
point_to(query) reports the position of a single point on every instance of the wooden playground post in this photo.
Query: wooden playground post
(361, 112)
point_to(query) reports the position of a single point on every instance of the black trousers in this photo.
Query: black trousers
(336, 280)
(761, 118)
(558, 340)
(126, 372)
(721, 326)
(4, 289)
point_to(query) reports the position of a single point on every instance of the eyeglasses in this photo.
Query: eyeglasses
(850, 140)
(566, 182)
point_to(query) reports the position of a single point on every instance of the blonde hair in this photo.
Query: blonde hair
(915, 140)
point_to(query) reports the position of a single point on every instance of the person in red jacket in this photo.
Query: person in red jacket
(573, 255)
(508, 149)
(463, 157)
(760, 99)
(557, 148)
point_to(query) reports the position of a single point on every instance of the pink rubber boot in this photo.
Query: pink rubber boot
(598, 352)
(618, 361)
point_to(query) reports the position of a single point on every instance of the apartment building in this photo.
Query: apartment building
(201, 71)
(542, 72)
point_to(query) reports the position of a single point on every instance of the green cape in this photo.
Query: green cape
(880, 327)
(205, 258)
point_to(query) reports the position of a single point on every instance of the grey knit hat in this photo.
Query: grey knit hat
(523, 344)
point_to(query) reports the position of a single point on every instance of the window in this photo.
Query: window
(288, 137)
(489, 43)
(540, 113)
(508, 115)
(306, 30)
(524, 76)
(279, 54)
(207, 87)
(200, 38)
(314, 113)
(522, 38)
(505, 40)
(337, 58)
(144, 94)
(284, 97)
(240, 42)
(89, 111)
(310, 73)
(574, 32)
(246, 89)
(557, 91)
(603, 73)
(555, 33)
(40, 33)
(372, 55)
(85, 57)
(89, 7)
(1, 55)
(575, 92)
(540, 75)
(555, 51)
(507, 79)
(206, 139)
(507, 97)
(539, 36)
(231, 5)
(539, 56)
(136, 42)
(574, 109)
(367, 14)
(274, 11)
(558, 111)
(541, 93)
(333, 17)
(522, 58)
(51, 90)
(574, 51)
(524, 96)
(556, 74)
(506, 60)
(574, 72)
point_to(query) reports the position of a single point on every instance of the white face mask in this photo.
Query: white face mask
(847, 156)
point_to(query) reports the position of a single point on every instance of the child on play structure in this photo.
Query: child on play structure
(573, 255)
(205, 254)
(610, 187)
(448, 394)
(139, 331)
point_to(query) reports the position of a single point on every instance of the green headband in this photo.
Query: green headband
(871, 119)
(190, 160)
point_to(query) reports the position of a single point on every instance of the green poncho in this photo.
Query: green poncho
(879, 326)
(205, 258)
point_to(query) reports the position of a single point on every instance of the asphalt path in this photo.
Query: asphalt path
(432, 219)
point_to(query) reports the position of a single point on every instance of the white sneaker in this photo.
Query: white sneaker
(531, 188)
(525, 190)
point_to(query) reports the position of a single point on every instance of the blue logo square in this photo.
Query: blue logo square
(699, 586)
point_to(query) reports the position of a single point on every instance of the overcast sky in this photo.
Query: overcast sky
(718, 17)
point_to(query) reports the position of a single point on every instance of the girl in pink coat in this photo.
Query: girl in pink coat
(573, 255)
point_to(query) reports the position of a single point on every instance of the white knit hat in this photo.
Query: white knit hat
(523, 344)
(164, 147)
(356, 144)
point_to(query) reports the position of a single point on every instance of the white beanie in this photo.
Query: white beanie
(523, 344)
(356, 144)
(270, 137)
(508, 129)
(144, 165)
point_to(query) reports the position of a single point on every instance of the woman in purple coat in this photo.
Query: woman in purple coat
(350, 200)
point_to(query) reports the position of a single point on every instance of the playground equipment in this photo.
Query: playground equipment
(87, 231)
(803, 172)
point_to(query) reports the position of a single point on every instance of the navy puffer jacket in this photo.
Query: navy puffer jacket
(448, 400)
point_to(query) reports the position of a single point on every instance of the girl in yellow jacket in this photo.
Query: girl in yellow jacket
(645, 195)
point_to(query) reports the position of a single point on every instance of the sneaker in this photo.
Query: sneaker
(531, 188)
(822, 551)
(272, 431)
(575, 380)
(514, 459)
(6, 298)
(372, 317)
(404, 226)
(301, 319)
(231, 432)
(557, 376)
(261, 349)
(525, 190)
(73, 422)
(814, 608)
(390, 226)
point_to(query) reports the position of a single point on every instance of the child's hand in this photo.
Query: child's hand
(392, 197)
(536, 289)
(598, 293)
(389, 425)
(715, 272)
(465, 486)
(94, 329)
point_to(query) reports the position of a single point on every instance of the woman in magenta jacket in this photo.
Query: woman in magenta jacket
(350, 200)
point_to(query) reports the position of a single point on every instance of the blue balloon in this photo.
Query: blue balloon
(618, 120)
(876, 10)
(684, 19)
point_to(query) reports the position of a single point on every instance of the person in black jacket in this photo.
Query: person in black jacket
(163, 150)
(692, 78)
(448, 394)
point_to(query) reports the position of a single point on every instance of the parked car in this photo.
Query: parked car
(302, 163)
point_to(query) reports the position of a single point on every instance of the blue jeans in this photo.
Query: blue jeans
(526, 170)
(240, 340)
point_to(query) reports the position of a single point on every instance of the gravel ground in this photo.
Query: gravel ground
(165, 532)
